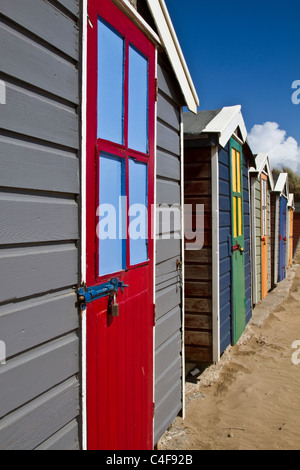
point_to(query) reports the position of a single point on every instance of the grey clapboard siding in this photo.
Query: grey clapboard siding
(65, 439)
(38, 117)
(39, 224)
(27, 219)
(26, 428)
(37, 65)
(168, 336)
(48, 23)
(40, 168)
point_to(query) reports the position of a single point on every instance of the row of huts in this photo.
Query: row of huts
(248, 225)
(97, 325)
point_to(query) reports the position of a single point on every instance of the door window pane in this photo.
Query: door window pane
(138, 212)
(235, 232)
(111, 59)
(112, 246)
(234, 183)
(240, 217)
(238, 172)
(138, 101)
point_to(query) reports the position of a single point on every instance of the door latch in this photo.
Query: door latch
(90, 294)
(237, 248)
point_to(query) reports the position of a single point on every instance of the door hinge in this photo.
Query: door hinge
(154, 315)
(156, 89)
(153, 409)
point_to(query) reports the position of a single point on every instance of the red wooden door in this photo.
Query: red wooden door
(120, 182)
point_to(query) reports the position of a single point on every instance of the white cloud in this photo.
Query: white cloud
(282, 150)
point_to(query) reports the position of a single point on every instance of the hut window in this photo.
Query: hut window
(112, 247)
(138, 101)
(237, 190)
(111, 58)
(125, 144)
(138, 212)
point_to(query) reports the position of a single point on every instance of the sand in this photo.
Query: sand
(251, 400)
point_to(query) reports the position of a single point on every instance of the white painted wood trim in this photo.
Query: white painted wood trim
(171, 44)
(83, 219)
(183, 260)
(128, 9)
(225, 123)
(215, 253)
(154, 227)
(276, 248)
(253, 239)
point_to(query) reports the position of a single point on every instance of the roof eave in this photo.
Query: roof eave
(173, 49)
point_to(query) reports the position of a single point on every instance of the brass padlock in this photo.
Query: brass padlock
(114, 307)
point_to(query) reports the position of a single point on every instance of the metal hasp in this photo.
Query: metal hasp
(90, 294)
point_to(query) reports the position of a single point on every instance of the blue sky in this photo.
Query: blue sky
(244, 53)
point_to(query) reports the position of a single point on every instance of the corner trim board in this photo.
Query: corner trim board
(215, 253)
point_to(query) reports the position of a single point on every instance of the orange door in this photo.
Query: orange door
(291, 237)
(264, 236)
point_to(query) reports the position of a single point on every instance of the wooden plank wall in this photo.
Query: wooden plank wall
(247, 235)
(39, 220)
(198, 265)
(169, 315)
(296, 231)
(273, 226)
(258, 237)
(225, 249)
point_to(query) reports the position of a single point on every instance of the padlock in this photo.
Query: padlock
(114, 308)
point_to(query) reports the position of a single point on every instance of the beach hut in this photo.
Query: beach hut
(262, 184)
(290, 229)
(296, 226)
(218, 302)
(91, 319)
(280, 211)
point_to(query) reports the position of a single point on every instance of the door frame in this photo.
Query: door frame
(83, 221)
(152, 37)
(264, 178)
(234, 144)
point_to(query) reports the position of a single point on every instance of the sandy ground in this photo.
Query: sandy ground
(251, 400)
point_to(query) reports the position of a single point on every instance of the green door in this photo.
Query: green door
(238, 239)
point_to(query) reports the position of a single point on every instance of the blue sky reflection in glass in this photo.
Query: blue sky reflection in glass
(111, 58)
(112, 248)
(138, 101)
(138, 212)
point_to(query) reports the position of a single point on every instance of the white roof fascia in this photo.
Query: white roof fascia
(128, 9)
(225, 124)
(281, 182)
(171, 44)
(291, 202)
(262, 161)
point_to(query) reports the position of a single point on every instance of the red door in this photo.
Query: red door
(120, 193)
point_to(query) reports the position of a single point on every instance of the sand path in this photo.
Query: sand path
(252, 401)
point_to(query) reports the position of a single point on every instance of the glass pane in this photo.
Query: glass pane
(238, 171)
(138, 101)
(240, 217)
(234, 185)
(138, 212)
(112, 247)
(110, 84)
(235, 233)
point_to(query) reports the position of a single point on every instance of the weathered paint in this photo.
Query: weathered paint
(168, 377)
(119, 348)
(39, 189)
(282, 239)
